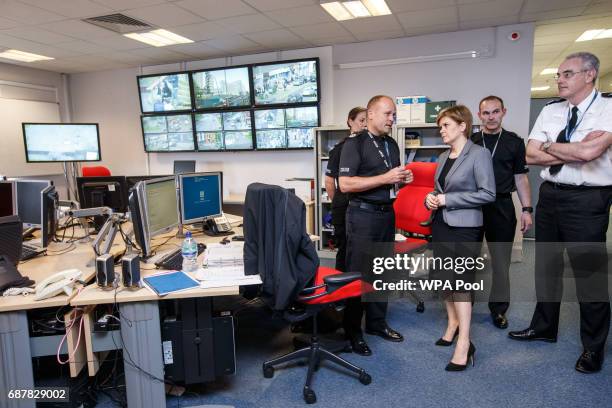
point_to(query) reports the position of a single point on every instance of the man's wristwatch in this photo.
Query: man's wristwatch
(546, 146)
(528, 209)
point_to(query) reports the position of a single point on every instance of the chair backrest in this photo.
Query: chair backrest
(95, 171)
(409, 208)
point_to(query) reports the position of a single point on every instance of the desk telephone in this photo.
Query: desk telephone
(217, 226)
(63, 281)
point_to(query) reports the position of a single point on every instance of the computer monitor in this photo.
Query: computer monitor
(201, 196)
(29, 201)
(184, 166)
(161, 206)
(8, 202)
(49, 204)
(107, 191)
(133, 180)
(61, 142)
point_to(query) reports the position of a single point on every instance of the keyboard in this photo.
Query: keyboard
(29, 252)
(174, 260)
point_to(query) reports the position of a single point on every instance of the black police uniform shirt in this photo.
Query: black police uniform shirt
(508, 160)
(340, 200)
(360, 157)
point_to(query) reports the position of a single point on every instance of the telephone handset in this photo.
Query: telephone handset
(217, 226)
(60, 282)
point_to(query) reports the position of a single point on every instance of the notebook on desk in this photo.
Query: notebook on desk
(169, 282)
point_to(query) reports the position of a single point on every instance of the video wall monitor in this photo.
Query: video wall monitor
(111, 191)
(201, 196)
(224, 131)
(287, 128)
(168, 133)
(164, 93)
(161, 206)
(8, 198)
(222, 88)
(29, 201)
(286, 82)
(61, 142)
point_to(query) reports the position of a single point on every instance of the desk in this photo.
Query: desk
(16, 349)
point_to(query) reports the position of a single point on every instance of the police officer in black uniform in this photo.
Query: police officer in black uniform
(510, 168)
(370, 172)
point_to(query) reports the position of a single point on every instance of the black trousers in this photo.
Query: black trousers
(499, 229)
(363, 228)
(570, 216)
(339, 223)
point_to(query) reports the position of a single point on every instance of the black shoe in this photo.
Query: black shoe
(446, 343)
(530, 335)
(359, 346)
(460, 367)
(386, 333)
(499, 320)
(589, 362)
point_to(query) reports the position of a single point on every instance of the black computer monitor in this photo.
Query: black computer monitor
(49, 204)
(8, 203)
(201, 196)
(29, 201)
(184, 166)
(133, 180)
(107, 191)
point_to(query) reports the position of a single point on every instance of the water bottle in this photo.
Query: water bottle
(189, 250)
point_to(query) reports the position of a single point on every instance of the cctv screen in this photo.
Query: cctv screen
(168, 133)
(162, 210)
(286, 83)
(164, 93)
(200, 196)
(222, 88)
(57, 142)
(224, 131)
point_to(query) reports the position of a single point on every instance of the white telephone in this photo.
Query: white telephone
(60, 282)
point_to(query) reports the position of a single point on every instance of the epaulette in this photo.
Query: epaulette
(606, 94)
(555, 101)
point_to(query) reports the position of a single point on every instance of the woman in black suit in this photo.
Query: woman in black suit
(464, 181)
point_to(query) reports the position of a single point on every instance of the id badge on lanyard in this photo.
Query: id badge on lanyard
(395, 188)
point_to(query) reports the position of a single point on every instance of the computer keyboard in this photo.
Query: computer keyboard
(29, 252)
(174, 260)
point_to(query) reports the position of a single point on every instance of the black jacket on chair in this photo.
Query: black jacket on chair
(276, 245)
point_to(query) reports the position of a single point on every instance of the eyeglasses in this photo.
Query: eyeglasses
(568, 74)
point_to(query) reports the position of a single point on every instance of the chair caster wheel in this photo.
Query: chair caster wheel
(268, 371)
(365, 378)
(420, 307)
(309, 396)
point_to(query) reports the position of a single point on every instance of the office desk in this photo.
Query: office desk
(16, 346)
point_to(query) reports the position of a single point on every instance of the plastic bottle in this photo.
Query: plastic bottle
(189, 250)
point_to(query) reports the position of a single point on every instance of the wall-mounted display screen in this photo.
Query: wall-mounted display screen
(164, 93)
(222, 88)
(224, 130)
(168, 133)
(286, 128)
(61, 142)
(286, 83)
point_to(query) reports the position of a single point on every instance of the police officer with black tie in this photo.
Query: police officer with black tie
(499, 219)
(573, 138)
(370, 173)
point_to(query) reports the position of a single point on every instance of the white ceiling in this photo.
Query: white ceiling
(232, 27)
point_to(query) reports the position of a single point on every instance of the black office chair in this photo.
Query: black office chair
(278, 248)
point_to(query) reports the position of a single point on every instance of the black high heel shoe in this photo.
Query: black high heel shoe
(446, 343)
(460, 367)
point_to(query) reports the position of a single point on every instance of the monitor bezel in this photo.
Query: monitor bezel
(25, 143)
(13, 194)
(49, 183)
(185, 221)
(145, 210)
(190, 84)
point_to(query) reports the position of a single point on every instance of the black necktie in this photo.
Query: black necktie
(561, 138)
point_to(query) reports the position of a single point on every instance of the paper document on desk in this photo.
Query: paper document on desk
(218, 255)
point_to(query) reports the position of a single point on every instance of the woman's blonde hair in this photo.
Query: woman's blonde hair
(459, 114)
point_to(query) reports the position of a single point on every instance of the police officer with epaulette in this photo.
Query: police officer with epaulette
(572, 137)
(499, 219)
(370, 173)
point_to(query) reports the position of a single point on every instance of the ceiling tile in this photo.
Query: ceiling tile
(333, 41)
(6, 23)
(66, 67)
(202, 31)
(547, 48)
(599, 8)
(300, 16)
(197, 49)
(249, 24)
(277, 39)
(234, 43)
(428, 18)
(554, 39)
(372, 25)
(84, 47)
(322, 31)
(488, 22)
(77, 29)
(442, 28)
(27, 14)
(119, 43)
(164, 15)
(34, 47)
(118, 5)
(268, 5)
(71, 8)
(398, 6)
(491, 9)
(212, 10)
(536, 6)
(37, 35)
(161, 54)
(126, 57)
(549, 15)
(379, 35)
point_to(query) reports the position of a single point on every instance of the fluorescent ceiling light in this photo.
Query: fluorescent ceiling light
(540, 88)
(159, 38)
(549, 71)
(346, 10)
(23, 56)
(597, 34)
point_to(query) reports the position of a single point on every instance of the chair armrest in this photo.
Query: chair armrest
(342, 278)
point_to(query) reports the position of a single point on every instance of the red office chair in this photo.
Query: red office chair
(95, 171)
(411, 216)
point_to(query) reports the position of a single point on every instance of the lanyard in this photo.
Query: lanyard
(494, 147)
(382, 155)
(568, 136)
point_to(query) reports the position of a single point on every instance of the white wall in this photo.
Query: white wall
(605, 83)
(111, 97)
